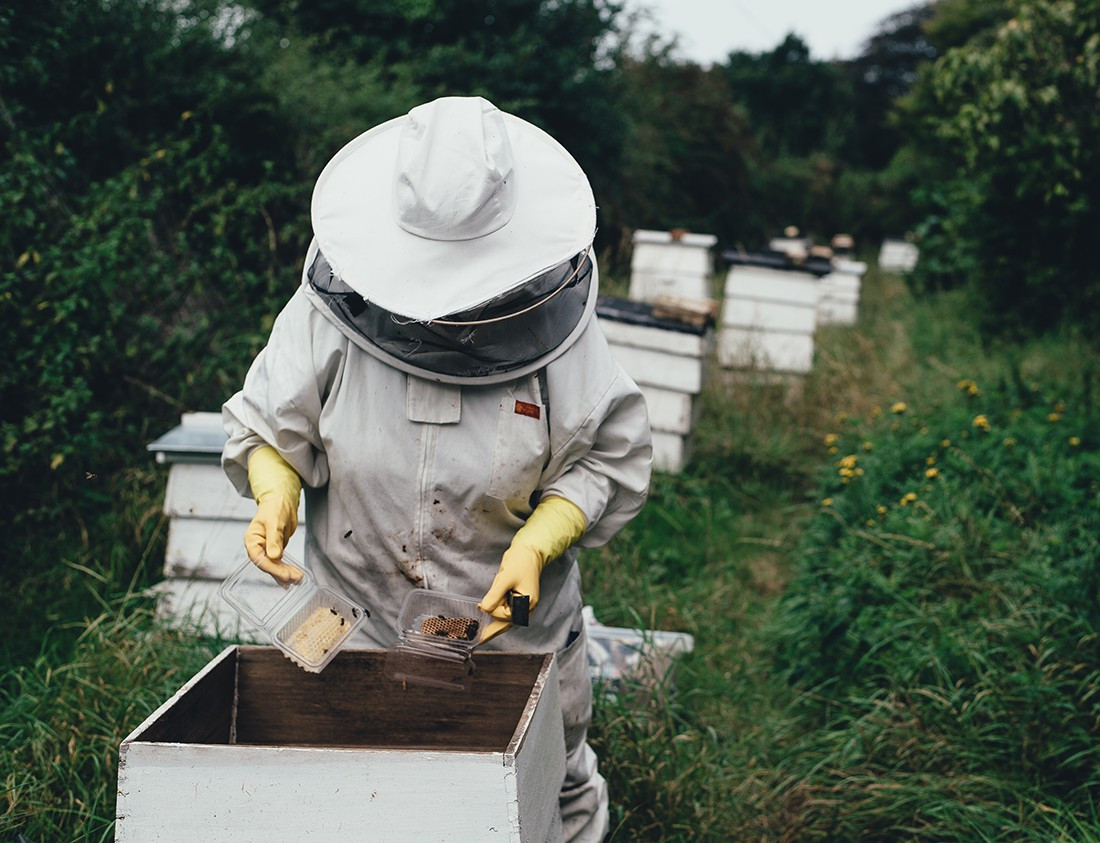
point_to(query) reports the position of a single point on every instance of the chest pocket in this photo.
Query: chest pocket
(522, 447)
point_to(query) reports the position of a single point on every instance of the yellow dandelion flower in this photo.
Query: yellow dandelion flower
(830, 439)
(868, 447)
(945, 443)
(1054, 417)
(1074, 441)
(908, 498)
(929, 460)
(932, 473)
(899, 407)
(981, 422)
(834, 450)
(859, 472)
(846, 472)
(880, 509)
(827, 502)
(847, 462)
(968, 386)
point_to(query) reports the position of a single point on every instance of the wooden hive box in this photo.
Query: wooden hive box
(769, 315)
(840, 291)
(206, 524)
(668, 360)
(671, 263)
(898, 255)
(253, 749)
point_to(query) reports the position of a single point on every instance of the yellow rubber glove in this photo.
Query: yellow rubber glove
(554, 525)
(276, 487)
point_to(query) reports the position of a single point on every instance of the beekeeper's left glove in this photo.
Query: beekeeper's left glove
(276, 487)
(549, 531)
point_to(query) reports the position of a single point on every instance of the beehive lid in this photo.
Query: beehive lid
(199, 437)
(772, 259)
(634, 312)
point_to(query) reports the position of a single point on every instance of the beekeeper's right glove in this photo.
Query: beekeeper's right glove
(276, 487)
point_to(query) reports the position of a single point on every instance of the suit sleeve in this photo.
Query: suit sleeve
(601, 443)
(283, 394)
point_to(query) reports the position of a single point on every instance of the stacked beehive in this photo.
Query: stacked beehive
(667, 358)
(840, 291)
(898, 255)
(769, 312)
(206, 524)
(671, 263)
(663, 335)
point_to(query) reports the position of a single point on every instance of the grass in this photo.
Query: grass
(867, 665)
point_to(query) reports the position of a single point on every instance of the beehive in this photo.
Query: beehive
(253, 749)
(769, 315)
(840, 292)
(668, 361)
(206, 524)
(898, 255)
(671, 263)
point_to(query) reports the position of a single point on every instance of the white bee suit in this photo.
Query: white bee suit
(413, 483)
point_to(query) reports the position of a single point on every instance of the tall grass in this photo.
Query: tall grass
(61, 724)
(896, 620)
(882, 651)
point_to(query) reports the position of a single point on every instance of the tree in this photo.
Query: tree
(884, 71)
(1012, 120)
(793, 102)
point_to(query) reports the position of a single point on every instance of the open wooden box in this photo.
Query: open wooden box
(255, 749)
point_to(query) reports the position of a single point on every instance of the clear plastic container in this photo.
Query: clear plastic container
(437, 633)
(308, 622)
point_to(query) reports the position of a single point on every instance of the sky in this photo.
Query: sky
(710, 29)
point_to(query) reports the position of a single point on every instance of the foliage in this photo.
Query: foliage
(791, 99)
(551, 63)
(1017, 204)
(886, 70)
(61, 726)
(686, 149)
(944, 612)
(823, 135)
(145, 243)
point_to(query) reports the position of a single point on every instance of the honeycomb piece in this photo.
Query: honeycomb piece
(318, 633)
(462, 629)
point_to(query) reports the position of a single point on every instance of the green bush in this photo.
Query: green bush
(944, 617)
(1015, 206)
(61, 726)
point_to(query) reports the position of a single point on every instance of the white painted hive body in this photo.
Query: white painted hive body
(898, 255)
(207, 519)
(668, 361)
(840, 291)
(206, 523)
(671, 264)
(253, 749)
(768, 319)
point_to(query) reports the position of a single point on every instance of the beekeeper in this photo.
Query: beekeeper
(440, 388)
